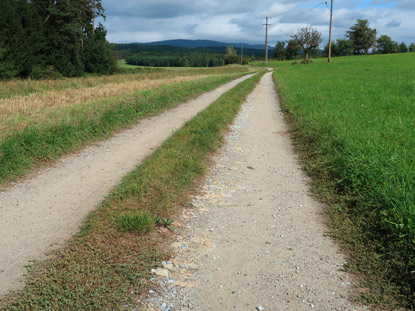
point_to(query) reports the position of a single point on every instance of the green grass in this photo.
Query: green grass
(105, 268)
(354, 123)
(41, 142)
(137, 222)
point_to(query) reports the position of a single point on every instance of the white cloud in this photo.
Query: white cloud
(242, 20)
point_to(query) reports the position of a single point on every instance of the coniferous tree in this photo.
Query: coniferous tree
(97, 54)
(41, 38)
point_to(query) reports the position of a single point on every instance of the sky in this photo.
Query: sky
(234, 21)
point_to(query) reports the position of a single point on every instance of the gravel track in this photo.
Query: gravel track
(255, 239)
(39, 215)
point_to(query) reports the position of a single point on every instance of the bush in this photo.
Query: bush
(39, 72)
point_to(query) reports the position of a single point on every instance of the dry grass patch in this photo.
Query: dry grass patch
(17, 112)
(18, 87)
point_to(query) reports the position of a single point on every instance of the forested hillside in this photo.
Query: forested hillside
(176, 56)
(53, 38)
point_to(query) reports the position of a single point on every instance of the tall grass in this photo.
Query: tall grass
(20, 87)
(358, 114)
(20, 111)
(104, 268)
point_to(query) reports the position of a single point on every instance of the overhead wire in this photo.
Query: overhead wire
(302, 3)
(308, 10)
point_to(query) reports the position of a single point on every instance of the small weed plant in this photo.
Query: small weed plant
(164, 222)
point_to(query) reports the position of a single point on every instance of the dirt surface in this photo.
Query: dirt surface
(41, 214)
(255, 239)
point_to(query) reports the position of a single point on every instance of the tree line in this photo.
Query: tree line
(176, 59)
(53, 38)
(359, 39)
(173, 56)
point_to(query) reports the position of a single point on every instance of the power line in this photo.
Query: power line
(298, 5)
(308, 10)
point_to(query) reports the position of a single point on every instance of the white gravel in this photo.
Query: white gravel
(255, 239)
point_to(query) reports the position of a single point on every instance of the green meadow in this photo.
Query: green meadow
(353, 122)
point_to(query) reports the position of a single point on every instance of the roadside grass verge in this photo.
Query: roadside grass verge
(75, 126)
(19, 87)
(105, 268)
(18, 112)
(353, 125)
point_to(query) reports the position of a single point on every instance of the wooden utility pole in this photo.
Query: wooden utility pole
(266, 40)
(242, 54)
(331, 23)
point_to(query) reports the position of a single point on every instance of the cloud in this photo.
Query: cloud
(393, 23)
(242, 20)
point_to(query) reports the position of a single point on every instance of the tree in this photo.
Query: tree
(7, 70)
(307, 38)
(412, 47)
(403, 48)
(292, 50)
(280, 50)
(97, 54)
(385, 45)
(362, 37)
(231, 56)
(41, 38)
(344, 47)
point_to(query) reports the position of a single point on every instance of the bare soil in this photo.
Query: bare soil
(255, 238)
(39, 215)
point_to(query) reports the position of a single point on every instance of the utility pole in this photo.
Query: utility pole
(242, 54)
(331, 23)
(266, 39)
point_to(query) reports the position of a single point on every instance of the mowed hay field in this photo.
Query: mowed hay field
(354, 124)
(42, 120)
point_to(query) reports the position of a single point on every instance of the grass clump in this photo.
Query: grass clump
(354, 124)
(137, 222)
(105, 268)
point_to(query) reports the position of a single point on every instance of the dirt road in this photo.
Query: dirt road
(255, 239)
(39, 215)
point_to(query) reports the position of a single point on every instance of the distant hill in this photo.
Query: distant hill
(204, 44)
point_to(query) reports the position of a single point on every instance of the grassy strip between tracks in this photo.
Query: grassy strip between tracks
(353, 123)
(104, 267)
(46, 141)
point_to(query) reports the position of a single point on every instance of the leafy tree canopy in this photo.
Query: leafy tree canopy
(362, 37)
(307, 38)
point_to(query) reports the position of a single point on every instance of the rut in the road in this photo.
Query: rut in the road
(41, 214)
(256, 238)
